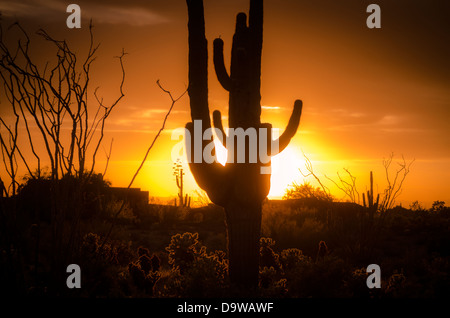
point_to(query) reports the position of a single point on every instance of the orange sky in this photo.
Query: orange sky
(366, 93)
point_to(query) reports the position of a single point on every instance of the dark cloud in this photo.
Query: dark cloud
(102, 12)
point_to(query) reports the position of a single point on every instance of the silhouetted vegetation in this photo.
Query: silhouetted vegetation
(307, 245)
(309, 248)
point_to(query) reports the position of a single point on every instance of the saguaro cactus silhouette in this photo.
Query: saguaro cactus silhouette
(184, 200)
(371, 205)
(239, 187)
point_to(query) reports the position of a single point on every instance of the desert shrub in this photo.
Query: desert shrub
(144, 279)
(395, 285)
(155, 263)
(207, 277)
(143, 273)
(326, 278)
(143, 251)
(170, 284)
(271, 284)
(293, 258)
(169, 215)
(288, 226)
(295, 268)
(306, 278)
(99, 263)
(308, 235)
(357, 284)
(437, 278)
(111, 210)
(145, 263)
(195, 273)
(216, 241)
(123, 253)
(84, 197)
(293, 274)
(268, 258)
(183, 250)
(305, 190)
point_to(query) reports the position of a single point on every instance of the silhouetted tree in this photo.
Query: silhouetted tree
(305, 190)
(394, 183)
(238, 187)
(438, 206)
(52, 97)
(52, 103)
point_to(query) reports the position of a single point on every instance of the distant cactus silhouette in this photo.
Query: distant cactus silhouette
(238, 187)
(371, 205)
(184, 200)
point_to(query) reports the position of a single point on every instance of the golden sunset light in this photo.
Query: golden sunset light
(365, 94)
(106, 114)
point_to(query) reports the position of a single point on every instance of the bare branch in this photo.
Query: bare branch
(108, 156)
(395, 186)
(58, 95)
(310, 169)
(174, 100)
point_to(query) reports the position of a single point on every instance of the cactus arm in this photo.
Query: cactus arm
(256, 30)
(256, 19)
(255, 47)
(239, 49)
(219, 65)
(241, 24)
(291, 128)
(217, 122)
(178, 181)
(198, 63)
(211, 177)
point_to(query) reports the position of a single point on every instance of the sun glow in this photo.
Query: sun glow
(285, 170)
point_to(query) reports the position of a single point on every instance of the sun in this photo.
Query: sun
(285, 168)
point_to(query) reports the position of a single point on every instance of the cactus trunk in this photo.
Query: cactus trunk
(243, 226)
(239, 187)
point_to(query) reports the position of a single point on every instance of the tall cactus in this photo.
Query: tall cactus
(371, 205)
(184, 201)
(239, 187)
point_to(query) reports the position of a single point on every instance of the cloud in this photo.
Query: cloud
(390, 120)
(42, 8)
(140, 120)
(271, 107)
(135, 16)
(99, 12)
(150, 113)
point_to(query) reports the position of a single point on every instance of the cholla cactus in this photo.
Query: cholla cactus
(293, 258)
(268, 256)
(238, 187)
(183, 250)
